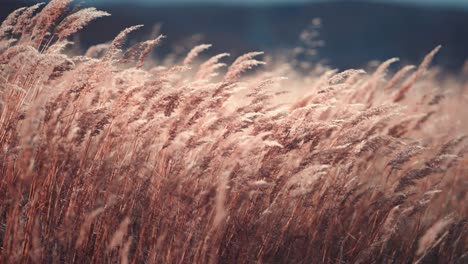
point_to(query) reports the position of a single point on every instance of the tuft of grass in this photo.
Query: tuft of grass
(106, 159)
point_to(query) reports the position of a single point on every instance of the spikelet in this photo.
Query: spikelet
(195, 52)
(125, 251)
(398, 76)
(58, 46)
(8, 24)
(46, 19)
(132, 53)
(450, 146)
(404, 156)
(383, 67)
(372, 112)
(220, 200)
(409, 178)
(148, 47)
(87, 225)
(391, 220)
(166, 73)
(5, 44)
(13, 51)
(428, 239)
(337, 78)
(75, 22)
(118, 237)
(241, 64)
(118, 42)
(324, 78)
(24, 20)
(263, 84)
(378, 75)
(400, 94)
(208, 68)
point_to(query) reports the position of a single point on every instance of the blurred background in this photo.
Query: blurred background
(349, 34)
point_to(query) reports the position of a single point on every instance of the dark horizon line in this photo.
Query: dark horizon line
(257, 5)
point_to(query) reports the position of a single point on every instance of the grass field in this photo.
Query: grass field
(110, 156)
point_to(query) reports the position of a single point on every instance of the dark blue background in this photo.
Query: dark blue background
(355, 32)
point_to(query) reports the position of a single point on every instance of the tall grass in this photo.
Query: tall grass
(106, 159)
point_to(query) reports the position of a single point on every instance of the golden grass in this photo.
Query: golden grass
(106, 159)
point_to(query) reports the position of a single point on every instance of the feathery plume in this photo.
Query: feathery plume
(76, 21)
(118, 237)
(47, 18)
(58, 46)
(24, 20)
(208, 68)
(241, 64)
(400, 95)
(431, 234)
(8, 24)
(118, 42)
(339, 77)
(405, 155)
(398, 76)
(195, 52)
(148, 47)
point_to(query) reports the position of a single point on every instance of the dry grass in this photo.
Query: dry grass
(105, 159)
